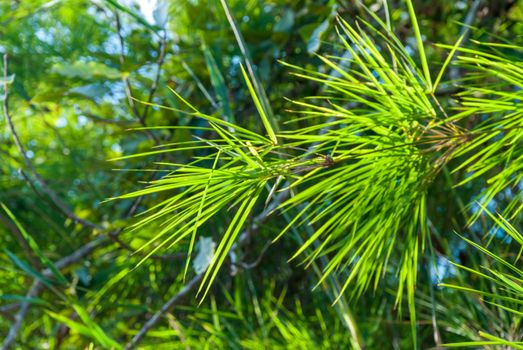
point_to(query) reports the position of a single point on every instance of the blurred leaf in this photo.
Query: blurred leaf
(89, 328)
(90, 90)
(28, 269)
(161, 13)
(24, 299)
(86, 70)
(9, 80)
(205, 248)
(314, 42)
(218, 83)
(285, 23)
(34, 246)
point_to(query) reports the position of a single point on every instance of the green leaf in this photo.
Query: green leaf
(89, 328)
(265, 119)
(24, 299)
(446, 63)
(34, 246)
(86, 70)
(421, 45)
(218, 83)
(28, 269)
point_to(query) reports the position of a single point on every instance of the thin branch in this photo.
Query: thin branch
(52, 194)
(200, 85)
(244, 238)
(82, 252)
(125, 78)
(161, 59)
(127, 82)
(8, 308)
(436, 333)
(31, 184)
(249, 266)
(165, 308)
(19, 317)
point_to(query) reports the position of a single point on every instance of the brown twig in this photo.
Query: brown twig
(249, 266)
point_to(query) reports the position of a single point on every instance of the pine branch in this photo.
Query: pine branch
(244, 238)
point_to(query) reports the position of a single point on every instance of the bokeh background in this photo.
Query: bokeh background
(79, 72)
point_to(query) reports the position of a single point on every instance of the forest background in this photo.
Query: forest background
(83, 88)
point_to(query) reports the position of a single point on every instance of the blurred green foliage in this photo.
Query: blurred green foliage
(82, 72)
